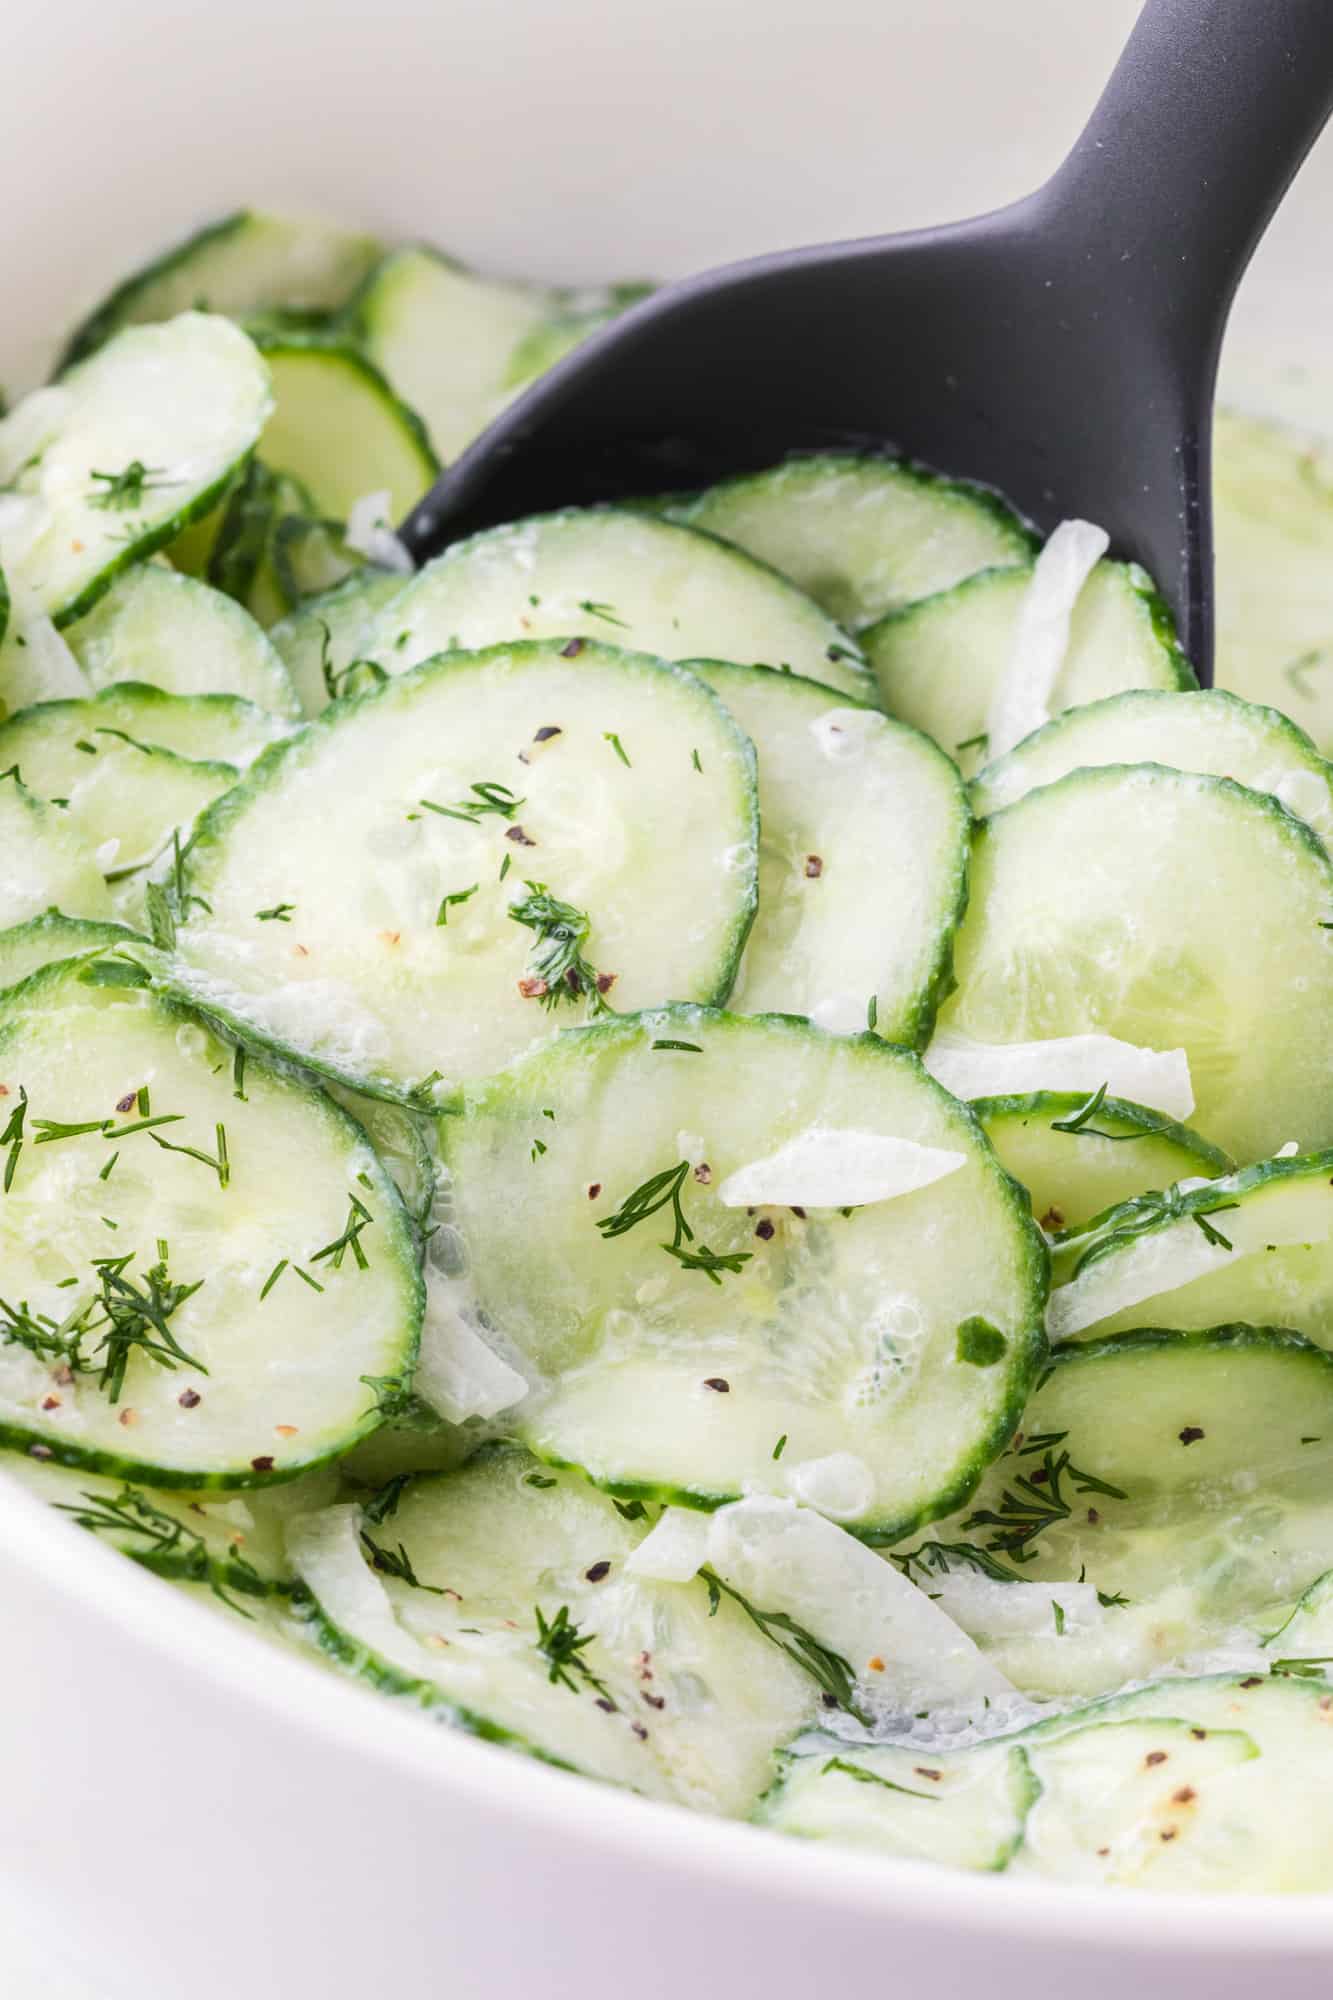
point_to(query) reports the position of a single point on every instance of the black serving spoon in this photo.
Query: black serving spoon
(1063, 349)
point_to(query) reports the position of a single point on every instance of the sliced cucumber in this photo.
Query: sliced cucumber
(43, 863)
(249, 1170)
(863, 536)
(37, 665)
(1214, 1815)
(575, 319)
(248, 263)
(937, 662)
(326, 636)
(1257, 1245)
(233, 1545)
(1165, 935)
(965, 1808)
(1186, 1477)
(1206, 731)
(158, 627)
(396, 963)
(207, 727)
(1274, 527)
(398, 1136)
(26, 947)
(639, 1684)
(621, 577)
(847, 798)
(120, 793)
(677, 1378)
(339, 428)
(131, 446)
(1079, 1153)
(444, 337)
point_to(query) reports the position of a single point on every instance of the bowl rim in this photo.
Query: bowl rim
(614, 1824)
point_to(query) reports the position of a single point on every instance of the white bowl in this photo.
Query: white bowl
(185, 1815)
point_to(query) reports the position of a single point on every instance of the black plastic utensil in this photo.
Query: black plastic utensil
(1063, 349)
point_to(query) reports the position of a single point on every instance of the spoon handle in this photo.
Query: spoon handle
(1193, 143)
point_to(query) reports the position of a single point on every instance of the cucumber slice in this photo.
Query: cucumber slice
(1257, 1245)
(847, 797)
(131, 446)
(37, 665)
(444, 338)
(1205, 731)
(1274, 530)
(121, 794)
(938, 662)
(397, 964)
(233, 1545)
(218, 728)
(648, 1689)
(1194, 1516)
(655, 1380)
(863, 536)
(1111, 1795)
(1164, 935)
(247, 263)
(230, 1191)
(321, 640)
(966, 1809)
(1079, 1153)
(339, 428)
(1250, 1823)
(398, 1137)
(26, 947)
(43, 862)
(158, 627)
(578, 316)
(621, 577)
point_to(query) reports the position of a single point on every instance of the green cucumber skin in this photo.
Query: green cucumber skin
(1028, 1344)
(148, 545)
(211, 828)
(1202, 1201)
(360, 364)
(143, 1472)
(106, 319)
(1064, 1103)
(1163, 626)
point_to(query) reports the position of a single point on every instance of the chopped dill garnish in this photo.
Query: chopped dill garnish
(864, 1777)
(280, 913)
(828, 1669)
(609, 736)
(606, 612)
(487, 797)
(167, 1543)
(558, 971)
(128, 487)
(397, 1563)
(359, 1218)
(451, 902)
(561, 1644)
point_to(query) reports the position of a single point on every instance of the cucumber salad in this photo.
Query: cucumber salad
(699, 1138)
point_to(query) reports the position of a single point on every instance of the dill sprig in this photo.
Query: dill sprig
(1080, 1121)
(11, 1138)
(339, 682)
(221, 1166)
(1038, 1501)
(561, 1645)
(167, 1543)
(382, 1506)
(864, 1777)
(939, 1558)
(397, 1563)
(656, 1193)
(136, 1318)
(828, 1669)
(127, 487)
(487, 797)
(556, 962)
(359, 1217)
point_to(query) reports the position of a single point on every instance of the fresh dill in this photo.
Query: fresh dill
(609, 736)
(978, 742)
(279, 913)
(561, 1644)
(557, 969)
(1038, 1501)
(272, 1278)
(606, 612)
(221, 1166)
(11, 1139)
(451, 902)
(359, 1218)
(864, 1777)
(166, 1543)
(933, 1559)
(238, 1074)
(694, 759)
(1080, 1121)
(393, 1396)
(688, 1048)
(828, 1669)
(126, 488)
(382, 1506)
(628, 1510)
(487, 797)
(136, 1319)
(397, 1563)
(660, 1191)
(357, 677)
(1212, 1235)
